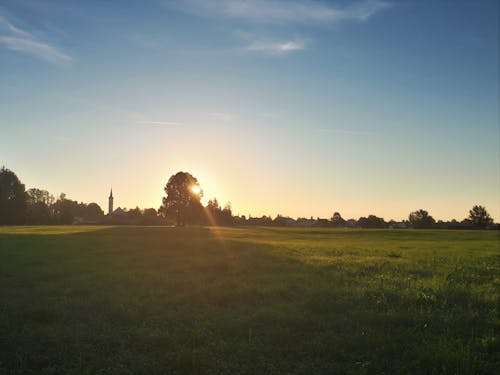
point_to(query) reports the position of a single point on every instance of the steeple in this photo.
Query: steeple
(110, 202)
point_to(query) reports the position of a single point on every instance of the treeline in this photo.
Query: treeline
(478, 219)
(182, 206)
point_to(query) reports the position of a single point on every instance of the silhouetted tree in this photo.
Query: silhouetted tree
(337, 220)
(134, 216)
(93, 212)
(283, 221)
(216, 215)
(13, 199)
(264, 220)
(40, 207)
(38, 195)
(323, 223)
(66, 210)
(227, 215)
(372, 221)
(213, 210)
(182, 203)
(421, 219)
(150, 217)
(479, 216)
(39, 214)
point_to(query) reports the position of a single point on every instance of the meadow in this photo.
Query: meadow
(123, 300)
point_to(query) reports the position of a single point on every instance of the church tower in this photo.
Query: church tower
(110, 202)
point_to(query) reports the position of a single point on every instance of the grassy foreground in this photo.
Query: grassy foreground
(248, 301)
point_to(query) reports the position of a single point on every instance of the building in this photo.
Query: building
(110, 202)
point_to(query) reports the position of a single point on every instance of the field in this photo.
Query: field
(119, 300)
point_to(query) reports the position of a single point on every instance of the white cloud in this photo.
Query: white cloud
(16, 39)
(283, 11)
(276, 48)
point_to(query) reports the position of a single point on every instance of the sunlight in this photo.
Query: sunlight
(196, 189)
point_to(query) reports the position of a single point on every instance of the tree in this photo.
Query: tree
(66, 210)
(13, 199)
(37, 195)
(372, 221)
(150, 217)
(216, 215)
(421, 219)
(227, 215)
(93, 212)
(134, 216)
(281, 221)
(479, 216)
(40, 205)
(182, 203)
(337, 220)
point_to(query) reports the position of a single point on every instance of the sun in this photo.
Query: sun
(196, 189)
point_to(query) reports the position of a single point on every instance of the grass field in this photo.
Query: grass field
(248, 301)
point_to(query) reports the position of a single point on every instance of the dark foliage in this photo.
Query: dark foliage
(372, 221)
(479, 216)
(337, 220)
(421, 219)
(13, 199)
(182, 204)
(216, 215)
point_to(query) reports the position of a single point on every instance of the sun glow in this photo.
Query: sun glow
(196, 189)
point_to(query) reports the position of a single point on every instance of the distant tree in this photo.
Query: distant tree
(240, 220)
(66, 210)
(479, 216)
(93, 212)
(216, 215)
(38, 214)
(337, 220)
(182, 203)
(264, 220)
(213, 211)
(40, 207)
(38, 195)
(421, 219)
(372, 221)
(282, 221)
(227, 215)
(134, 216)
(13, 199)
(150, 217)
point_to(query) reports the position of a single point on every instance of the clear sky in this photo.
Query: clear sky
(296, 107)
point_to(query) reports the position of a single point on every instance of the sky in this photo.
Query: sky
(298, 107)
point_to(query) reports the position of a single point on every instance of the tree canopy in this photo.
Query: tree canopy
(372, 221)
(13, 199)
(479, 216)
(182, 204)
(337, 220)
(421, 219)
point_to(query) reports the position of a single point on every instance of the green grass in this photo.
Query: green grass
(248, 301)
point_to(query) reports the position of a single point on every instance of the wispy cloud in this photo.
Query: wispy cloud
(276, 48)
(281, 11)
(19, 40)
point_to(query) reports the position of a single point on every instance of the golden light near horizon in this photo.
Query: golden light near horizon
(196, 189)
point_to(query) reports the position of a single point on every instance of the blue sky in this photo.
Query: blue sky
(293, 107)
